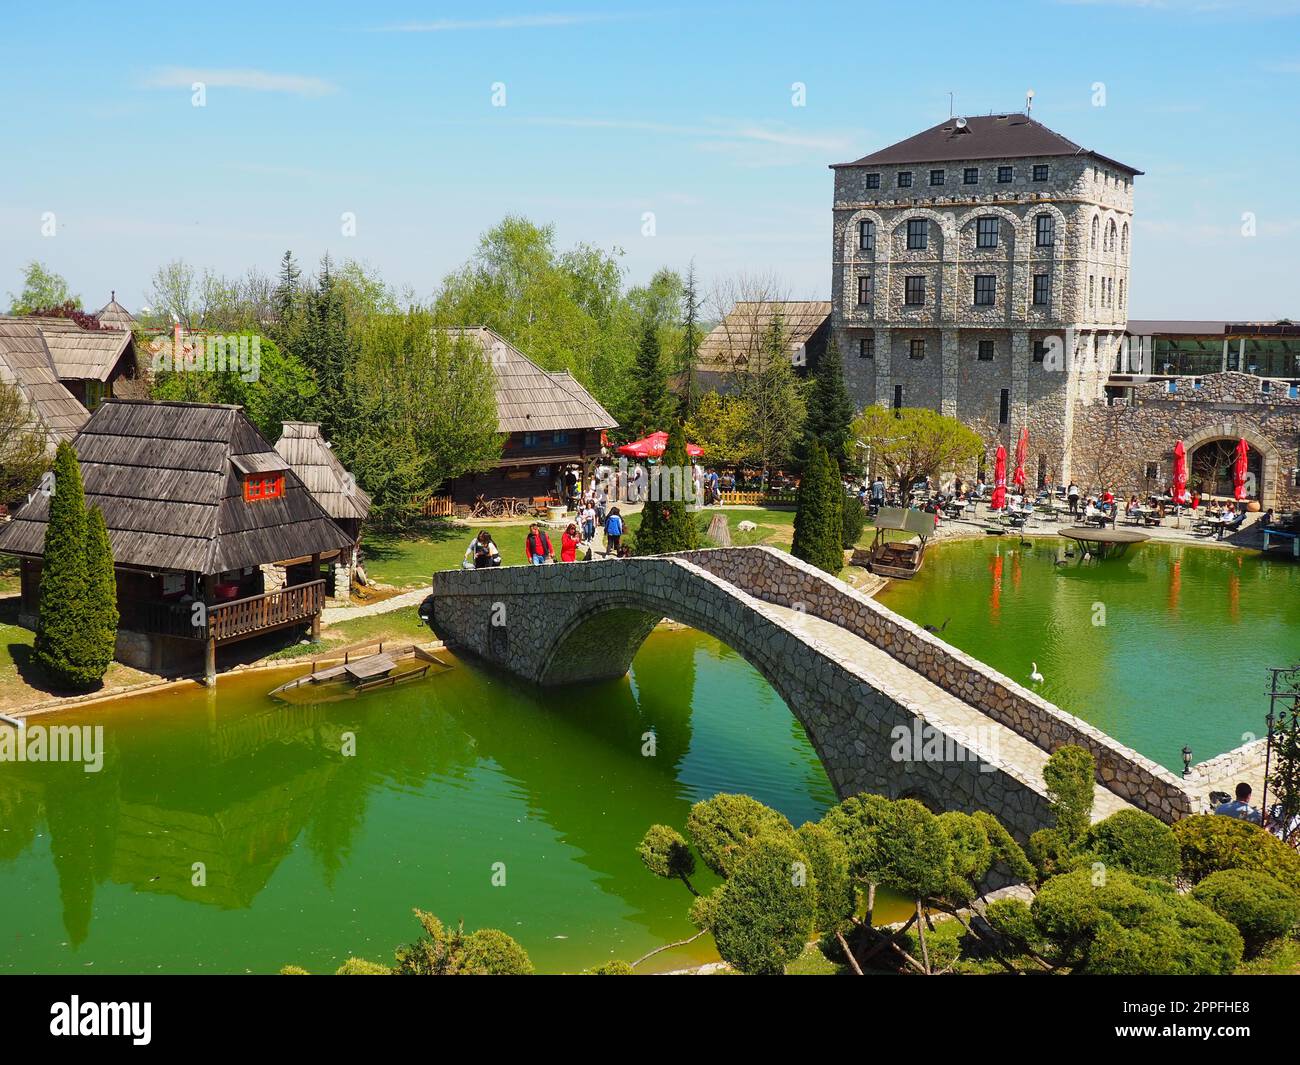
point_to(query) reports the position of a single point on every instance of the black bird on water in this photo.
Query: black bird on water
(931, 628)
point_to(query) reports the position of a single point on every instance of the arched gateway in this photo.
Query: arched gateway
(859, 678)
(1211, 454)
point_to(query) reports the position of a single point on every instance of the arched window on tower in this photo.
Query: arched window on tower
(1095, 225)
(1123, 242)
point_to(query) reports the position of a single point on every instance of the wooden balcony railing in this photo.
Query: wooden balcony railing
(257, 613)
(226, 621)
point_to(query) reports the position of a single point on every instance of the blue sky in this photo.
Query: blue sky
(386, 111)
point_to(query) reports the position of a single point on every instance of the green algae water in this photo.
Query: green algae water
(310, 856)
(1166, 646)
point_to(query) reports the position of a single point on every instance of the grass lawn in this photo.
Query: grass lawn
(406, 561)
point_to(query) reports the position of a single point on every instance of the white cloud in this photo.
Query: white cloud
(253, 80)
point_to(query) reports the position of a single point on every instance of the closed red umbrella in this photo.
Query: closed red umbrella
(1239, 471)
(1180, 474)
(654, 445)
(999, 499)
(1022, 453)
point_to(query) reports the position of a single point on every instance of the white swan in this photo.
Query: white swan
(1035, 676)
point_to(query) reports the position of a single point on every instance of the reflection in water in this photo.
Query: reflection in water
(1169, 645)
(232, 833)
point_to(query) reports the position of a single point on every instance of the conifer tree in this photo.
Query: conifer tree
(652, 403)
(101, 615)
(667, 523)
(830, 409)
(61, 638)
(819, 521)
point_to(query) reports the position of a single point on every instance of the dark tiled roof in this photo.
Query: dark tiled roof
(166, 477)
(1010, 136)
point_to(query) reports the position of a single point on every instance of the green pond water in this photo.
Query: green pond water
(312, 856)
(1181, 653)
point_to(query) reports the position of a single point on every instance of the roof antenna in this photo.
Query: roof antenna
(1029, 101)
(950, 104)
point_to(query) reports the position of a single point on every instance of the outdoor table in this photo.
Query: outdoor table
(1281, 534)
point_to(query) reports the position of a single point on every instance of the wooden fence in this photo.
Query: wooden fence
(259, 613)
(437, 507)
(755, 499)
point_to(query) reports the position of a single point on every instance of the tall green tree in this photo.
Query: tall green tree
(652, 403)
(819, 521)
(775, 398)
(101, 616)
(667, 523)
(692, 335)
(285, 296)
(324, 343)
(69, 635)
(42, 287)
(914, 443)
(830, 408)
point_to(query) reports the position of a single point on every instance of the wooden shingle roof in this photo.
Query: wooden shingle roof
(530, 399)
(736, 339)
(114, 315)
(165, 477)
(25, 361)
(82, 354)
(303, 447)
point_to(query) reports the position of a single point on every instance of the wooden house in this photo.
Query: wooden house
(26, 363)
(305, 449)
(548, 421)
(92, 364)
(735, 344)
(214, 537)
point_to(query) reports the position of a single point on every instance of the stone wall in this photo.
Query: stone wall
(776, 577)
(565, 624)
(1227, 405)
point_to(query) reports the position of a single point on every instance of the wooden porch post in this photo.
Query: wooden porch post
(315, 618)
(210, 661)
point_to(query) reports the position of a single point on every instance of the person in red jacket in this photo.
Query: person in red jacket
(569, 544)
(537, 547)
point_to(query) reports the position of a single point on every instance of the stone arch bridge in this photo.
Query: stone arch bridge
(888, 707)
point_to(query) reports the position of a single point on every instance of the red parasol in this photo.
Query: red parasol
(654, 445)
(1022, 453)
(1179, 491)
(999, 499)
(1239, 471)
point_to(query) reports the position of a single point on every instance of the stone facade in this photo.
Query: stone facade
(561, 624)
(1118, 443)
(1079, 251)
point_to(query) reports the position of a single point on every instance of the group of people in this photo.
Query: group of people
(539, 550)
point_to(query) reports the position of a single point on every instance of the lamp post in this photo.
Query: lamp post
(1187, 761)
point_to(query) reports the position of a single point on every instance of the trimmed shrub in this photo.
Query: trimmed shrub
(855, 520)
(1005, 848)
(490, 952)
(1132, 925)
(829, 859)
(763, 917)
(611, 968)
(1136, 842)
(913, 850)
(361, 967)
(857, 821)
(1254, 903)
(971, 851)
(1210, 842)
(1069, 775)
(724, 826)
(666, 854)
(487, 952)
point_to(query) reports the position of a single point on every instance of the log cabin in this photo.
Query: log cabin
(215, 539)
(547, 419)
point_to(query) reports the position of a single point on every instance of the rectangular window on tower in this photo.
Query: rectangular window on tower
(867, 348)
(1004, 407)
(986, 290)
(864, 288)
(986, 232)
(914, 290)
(985, 351)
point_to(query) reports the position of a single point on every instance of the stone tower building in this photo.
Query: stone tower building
(981, 269)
